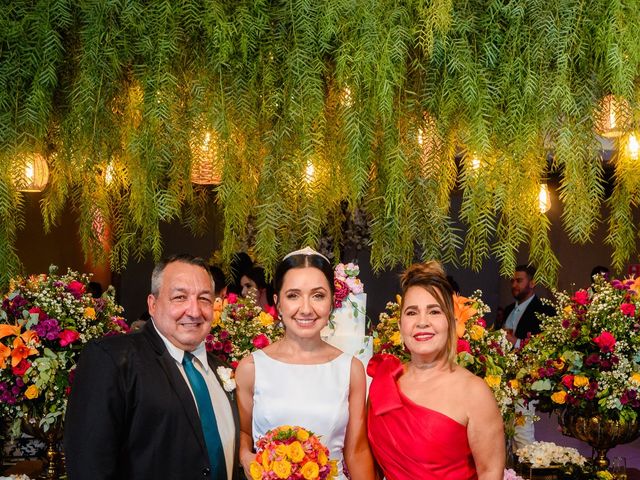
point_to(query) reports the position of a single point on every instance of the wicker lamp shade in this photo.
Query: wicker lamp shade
(32, 172)
(205, 167)
(613, 117)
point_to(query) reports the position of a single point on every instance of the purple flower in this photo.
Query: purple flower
(48, 329)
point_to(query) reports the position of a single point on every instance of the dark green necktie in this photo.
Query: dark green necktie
(207, 418)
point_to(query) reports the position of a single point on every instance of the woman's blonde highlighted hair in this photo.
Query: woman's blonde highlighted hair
(430, 276)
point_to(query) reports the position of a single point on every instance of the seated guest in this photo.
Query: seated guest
(432, 419)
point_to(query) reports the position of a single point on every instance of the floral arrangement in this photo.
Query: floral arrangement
(292, 453)
(346, 282)
(546, 454)
(45, 320)
(485, 353)
(587, 355)
(241, 326)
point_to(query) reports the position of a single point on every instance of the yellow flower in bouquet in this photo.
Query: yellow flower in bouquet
(291, 452)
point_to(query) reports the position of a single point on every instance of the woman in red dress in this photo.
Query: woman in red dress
(432, 419)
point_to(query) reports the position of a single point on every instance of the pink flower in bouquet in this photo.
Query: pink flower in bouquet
(232, 298)
(355, 285)
(41, 314)
(271, 310)
(260, 341)
(342, 292)
(76, 288)
(567, 381)
(463, 346)
(605, 341)
(67, 337)
(628, 309)
(581, 297)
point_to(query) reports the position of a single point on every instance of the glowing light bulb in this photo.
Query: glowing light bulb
(475, 162)
(29, 172)
(633, 147)
(544, 199)
(310, 172)
(108, 174)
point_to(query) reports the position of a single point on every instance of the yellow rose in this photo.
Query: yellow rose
(476, 332)
(302, 435)
(256, 471)
(310, 471)
(90, 313)
(580, 381)
(567, 310)
(266, 463)
(635, 377)
(31, 392)
(215, 321)
(559, 397)
(396, 338)
(558, 364)
(281, 468)
(282, 451)
(334, 468)
(322, 458)
(515, 384)
(296, 453)
(265, 319)
(376, 342)
(493, 380)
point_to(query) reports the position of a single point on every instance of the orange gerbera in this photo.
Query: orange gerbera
(7, 330)
(463, 310)
(636, 286)
(20, 351)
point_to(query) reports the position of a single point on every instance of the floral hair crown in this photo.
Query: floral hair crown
(307, 251)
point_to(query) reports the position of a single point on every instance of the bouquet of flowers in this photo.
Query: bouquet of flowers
(45, 320)
(485, 353)
(292, 453)
(241, 328)
(586, 357)
(546, 454)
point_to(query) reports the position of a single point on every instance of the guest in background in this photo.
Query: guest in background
(240, 263)
(253, 283)
(220, 281)
(522, 317)
(140, 322)
(154, 404)
(432, 419)
(300, 379)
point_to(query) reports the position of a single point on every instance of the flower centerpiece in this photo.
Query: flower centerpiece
(45, 320)
(548, 460)
(291, 452)
(587, 356)
(349, 291)
(485, 353)
(241, 327)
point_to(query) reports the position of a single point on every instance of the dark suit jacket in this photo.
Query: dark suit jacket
(529, 322)
(131, 415)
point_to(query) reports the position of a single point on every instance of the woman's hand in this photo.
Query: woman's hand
(246, 458)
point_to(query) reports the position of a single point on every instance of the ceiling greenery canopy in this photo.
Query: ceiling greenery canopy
(311, 106)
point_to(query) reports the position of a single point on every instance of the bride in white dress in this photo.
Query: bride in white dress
(300, 379)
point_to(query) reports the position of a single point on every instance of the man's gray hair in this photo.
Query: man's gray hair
(158, 270)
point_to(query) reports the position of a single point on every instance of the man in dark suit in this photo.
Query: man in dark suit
(521, 317)
(154, 404)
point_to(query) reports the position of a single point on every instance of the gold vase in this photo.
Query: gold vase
(599, 432)
(51, 438)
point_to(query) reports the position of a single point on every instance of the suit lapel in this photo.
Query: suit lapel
(177, 383)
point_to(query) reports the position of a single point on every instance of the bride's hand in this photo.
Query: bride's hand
(245, 459)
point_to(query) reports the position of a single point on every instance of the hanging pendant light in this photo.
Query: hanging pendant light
(544, 198)
(32, 173)
(205, 167)
(613, 116)
(633, 147)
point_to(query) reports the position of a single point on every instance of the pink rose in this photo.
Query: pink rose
(342, 291)
(260, 341)
(605, 341)
(271, 310)
(628, 309)
(463, 346)
(41, 314)
(21, 367)
(482, 322)
(76, 288)
(67, 337)
(567, 381)
(232, 298)
(581, 297)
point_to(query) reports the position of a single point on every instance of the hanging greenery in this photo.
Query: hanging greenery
(384, 106)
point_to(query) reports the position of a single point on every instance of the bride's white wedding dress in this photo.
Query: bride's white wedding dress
(315, 397)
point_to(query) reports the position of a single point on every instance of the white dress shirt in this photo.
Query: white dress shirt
(219, 399)
(514, 317)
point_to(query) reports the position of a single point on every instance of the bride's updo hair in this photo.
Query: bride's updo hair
(430, 276)
(301, 261)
